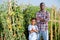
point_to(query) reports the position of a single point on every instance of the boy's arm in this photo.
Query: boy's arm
(36, 29)
(33, 30)
(30, 29)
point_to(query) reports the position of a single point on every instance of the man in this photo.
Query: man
(42, 21)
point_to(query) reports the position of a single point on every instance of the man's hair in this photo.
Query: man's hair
(42, 3)
(33, 19)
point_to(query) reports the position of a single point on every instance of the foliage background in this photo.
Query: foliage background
(14, 26)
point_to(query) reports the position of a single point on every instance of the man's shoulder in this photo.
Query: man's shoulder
(38, 12)
(47, 12)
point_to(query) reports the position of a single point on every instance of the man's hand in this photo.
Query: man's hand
(42, 20)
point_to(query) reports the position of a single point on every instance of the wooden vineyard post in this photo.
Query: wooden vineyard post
(51, 36)
(9, 16)
(55, 24)
(59, 31)
(59, 24)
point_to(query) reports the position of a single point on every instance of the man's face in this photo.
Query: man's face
(42, 6)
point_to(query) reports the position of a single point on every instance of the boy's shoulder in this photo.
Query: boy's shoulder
(29, 25)
(34, 25)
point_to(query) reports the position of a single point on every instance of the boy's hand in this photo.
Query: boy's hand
(32, 31)
(35, 30)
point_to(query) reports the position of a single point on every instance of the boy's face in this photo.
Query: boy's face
(33, 22)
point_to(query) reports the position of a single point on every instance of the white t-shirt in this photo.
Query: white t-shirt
(32, 36)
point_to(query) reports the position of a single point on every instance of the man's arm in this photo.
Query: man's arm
(46, 19)
(42, 20)
(38, 17)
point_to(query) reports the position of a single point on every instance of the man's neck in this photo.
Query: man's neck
(42, 10)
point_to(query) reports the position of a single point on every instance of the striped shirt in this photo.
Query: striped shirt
(46, 16)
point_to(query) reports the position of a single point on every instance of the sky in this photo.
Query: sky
(48, 3)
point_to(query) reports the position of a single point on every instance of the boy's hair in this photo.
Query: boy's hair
(33, 19)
